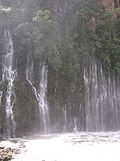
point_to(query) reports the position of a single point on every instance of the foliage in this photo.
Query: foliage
(109, 42)
(105, 41)
(46, 41)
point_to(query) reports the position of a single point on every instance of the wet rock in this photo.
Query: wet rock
(1, 147)
(8, 150)
(16, 151)
(22, 145)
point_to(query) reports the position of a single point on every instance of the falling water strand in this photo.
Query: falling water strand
(1, 92)
(40, 94)
(75, 129)
(65, 119)
(0, 96)
(101, 101)
(29, 78)
(9, 75)
(43, 104)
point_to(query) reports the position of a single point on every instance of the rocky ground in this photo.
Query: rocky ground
(7, 151)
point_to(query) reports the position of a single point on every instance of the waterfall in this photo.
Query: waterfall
(9, 74)
(40, 94)
(43, 104)
(65, 119)
(101, 97)
(29, 77)
(75, 129)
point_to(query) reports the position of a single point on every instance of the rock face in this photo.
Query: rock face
(107, 4)
(110, 4)
(92, 24)
(116, 3)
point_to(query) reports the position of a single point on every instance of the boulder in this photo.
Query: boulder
(16, 151)
(4, 156)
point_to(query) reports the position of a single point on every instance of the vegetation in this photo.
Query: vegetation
(43, 25)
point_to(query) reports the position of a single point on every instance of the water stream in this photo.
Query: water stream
(102, 93)
(9, 74)
(40, 94)
(43, 104)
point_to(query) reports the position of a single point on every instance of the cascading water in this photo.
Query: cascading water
(101, 97)
(69, 119)
(40, 94)
(29, 77)
(65, 119)
(75, 129)
(99, 110)
(43, 104)
(9, 74)
(0, 96)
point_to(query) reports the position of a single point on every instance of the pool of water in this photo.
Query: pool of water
(70, 147)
